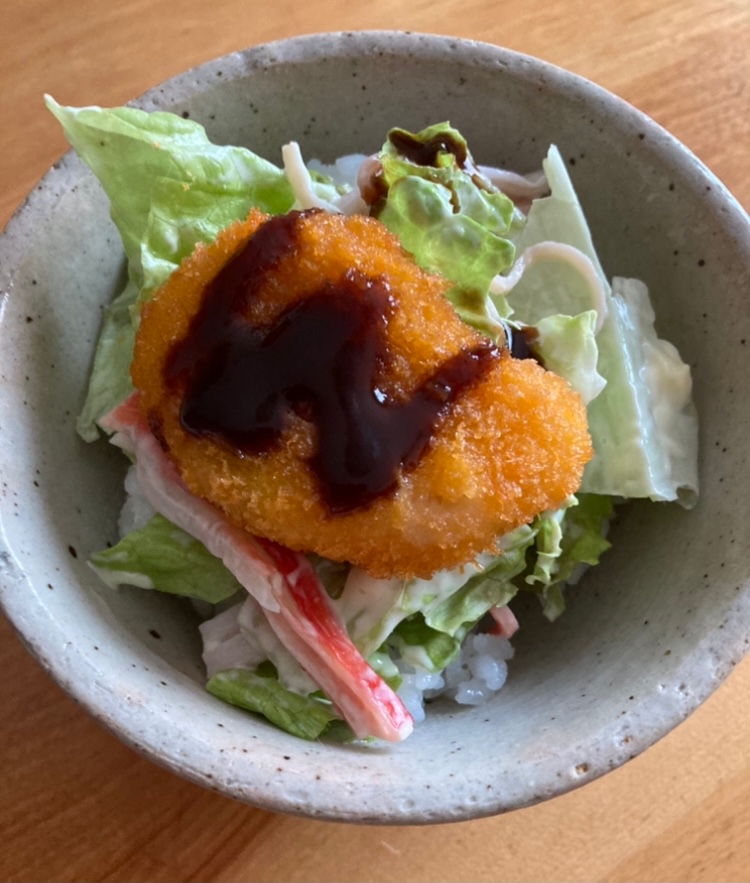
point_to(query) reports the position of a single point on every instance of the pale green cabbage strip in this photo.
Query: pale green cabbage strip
(645, 434)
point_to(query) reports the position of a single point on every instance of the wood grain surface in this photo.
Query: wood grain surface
(75, 804)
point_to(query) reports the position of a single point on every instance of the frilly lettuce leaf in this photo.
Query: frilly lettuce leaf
(424, 647)
(449, 224)
(450, 602)
(567, 345)
(162, 556)
(442, 241)
(565, 540)
(303, 716)
(129, 150)
(109, 381)
(491, 587)
(548, 543)
(453, 168)
(169, 187)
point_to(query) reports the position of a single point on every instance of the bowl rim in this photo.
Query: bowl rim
(305, 48)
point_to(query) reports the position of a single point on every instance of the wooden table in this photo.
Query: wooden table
(76, 804)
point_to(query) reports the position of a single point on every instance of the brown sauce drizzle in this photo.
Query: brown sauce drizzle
(322, 359)
(524, 344)
(425, 153)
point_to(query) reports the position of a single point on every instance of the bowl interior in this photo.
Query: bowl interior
(647, 635)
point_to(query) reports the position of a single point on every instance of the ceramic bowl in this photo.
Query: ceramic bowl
(648, 635)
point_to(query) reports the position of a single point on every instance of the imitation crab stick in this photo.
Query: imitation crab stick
(283, 582)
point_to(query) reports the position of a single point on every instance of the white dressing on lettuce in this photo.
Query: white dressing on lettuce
(659, 457)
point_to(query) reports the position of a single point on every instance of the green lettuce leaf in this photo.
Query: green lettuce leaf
(109, 381)
(303, 716)
(554, 287)
(169, 187)
(422, 646)
(567, 345)
(492, 587)
(450, 225)
(548, 543)
(450, 602)
(436, 152)
(129, 150)
(162, 556)
(381, 662)
(454, 169)
(566, 539)
(644, 435)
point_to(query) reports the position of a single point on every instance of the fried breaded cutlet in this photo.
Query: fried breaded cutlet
(307, 378)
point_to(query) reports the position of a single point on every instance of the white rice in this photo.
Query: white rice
(478, 673)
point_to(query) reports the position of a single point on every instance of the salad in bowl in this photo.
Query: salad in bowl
(366, 405)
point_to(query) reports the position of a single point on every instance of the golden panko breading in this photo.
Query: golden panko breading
(512, 444)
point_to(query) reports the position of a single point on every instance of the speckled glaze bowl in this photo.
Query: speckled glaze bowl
(647, 636)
